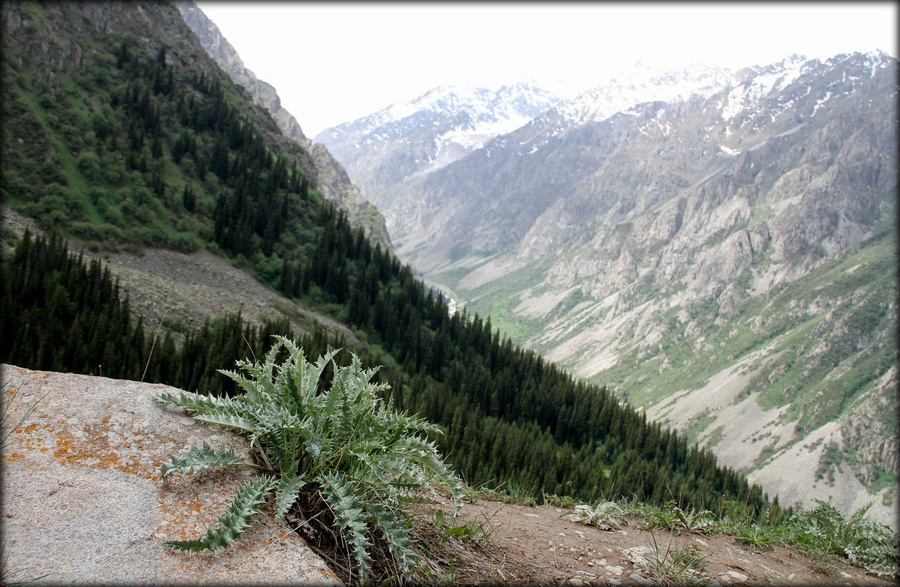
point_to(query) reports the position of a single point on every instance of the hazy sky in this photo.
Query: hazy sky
(338, 61)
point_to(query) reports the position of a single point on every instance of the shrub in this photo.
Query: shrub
(184, 243)
(53, 198)
(89, 165)
(352, 456)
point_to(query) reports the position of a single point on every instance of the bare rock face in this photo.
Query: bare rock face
(871, 431)
(84, 501)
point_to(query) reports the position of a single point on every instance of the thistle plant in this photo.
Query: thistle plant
(759, 537)
(342, 448)
(672, 517)
(866, 543)
(603, 514)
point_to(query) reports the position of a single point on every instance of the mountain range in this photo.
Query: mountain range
(717, 246)
(714, 253)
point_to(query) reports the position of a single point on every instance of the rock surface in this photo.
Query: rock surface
(84, 501)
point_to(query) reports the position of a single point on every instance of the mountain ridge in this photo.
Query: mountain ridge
(333, 181)
(450, 123)
(142, 142)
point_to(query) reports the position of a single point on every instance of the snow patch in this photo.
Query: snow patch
(821, 101)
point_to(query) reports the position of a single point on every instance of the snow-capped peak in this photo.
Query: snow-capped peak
(506, 108)
(644, 83)
(443, 124)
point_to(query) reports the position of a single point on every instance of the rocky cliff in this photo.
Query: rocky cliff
(333, 180)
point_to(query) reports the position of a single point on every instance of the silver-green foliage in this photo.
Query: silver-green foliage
(672, 517)
(759, 537)
(603, 514)
(355, 452)
(866, 543)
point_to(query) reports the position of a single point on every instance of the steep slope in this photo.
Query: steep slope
(334, 182)
(122, 137)
(722, 255)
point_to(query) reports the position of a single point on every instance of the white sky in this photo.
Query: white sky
(333, 62)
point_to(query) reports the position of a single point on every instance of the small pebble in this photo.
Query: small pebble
(640, 579)
(740, 577)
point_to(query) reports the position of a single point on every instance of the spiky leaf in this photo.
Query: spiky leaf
(236, 519)
(195, 459)
(194, 402)
(227, 420)
(348, 512)
(286, 493)
(392, 525)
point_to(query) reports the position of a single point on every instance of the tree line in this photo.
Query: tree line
(509, 414)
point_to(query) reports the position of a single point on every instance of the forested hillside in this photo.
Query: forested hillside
(120, 132)
(334, 184)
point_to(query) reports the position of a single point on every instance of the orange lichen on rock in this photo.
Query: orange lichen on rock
(190, 507)
(26, 429)
(12, 457)
(95, 452)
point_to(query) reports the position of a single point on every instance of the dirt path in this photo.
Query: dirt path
(542, 545)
